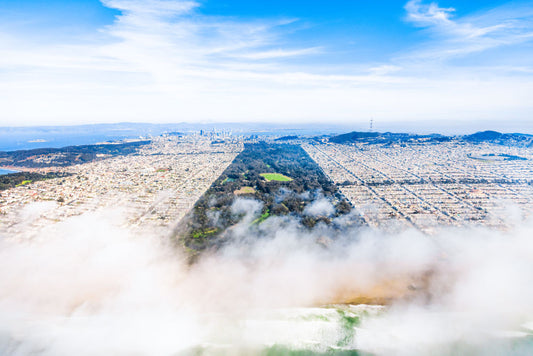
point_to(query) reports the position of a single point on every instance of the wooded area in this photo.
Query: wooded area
(211, 216)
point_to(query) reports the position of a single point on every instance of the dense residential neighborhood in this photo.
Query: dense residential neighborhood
(425, 184)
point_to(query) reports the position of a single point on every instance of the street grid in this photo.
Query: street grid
(430, 185)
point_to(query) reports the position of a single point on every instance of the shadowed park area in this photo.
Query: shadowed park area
(274, 179)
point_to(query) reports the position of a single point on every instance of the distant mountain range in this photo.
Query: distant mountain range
(388, 138)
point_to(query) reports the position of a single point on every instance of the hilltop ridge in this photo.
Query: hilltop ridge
(488, 136)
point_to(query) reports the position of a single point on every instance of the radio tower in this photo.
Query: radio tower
(371, 124)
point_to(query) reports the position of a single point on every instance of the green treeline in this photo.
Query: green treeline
(66, 156)
(23, 178)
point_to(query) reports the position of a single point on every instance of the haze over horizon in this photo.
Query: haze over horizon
(343, 62)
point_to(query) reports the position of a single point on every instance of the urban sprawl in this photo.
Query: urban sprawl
(393, 187)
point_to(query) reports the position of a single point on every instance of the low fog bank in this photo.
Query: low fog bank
(90, 286)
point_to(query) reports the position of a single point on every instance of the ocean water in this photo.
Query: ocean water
(54, 140)
(25, 138)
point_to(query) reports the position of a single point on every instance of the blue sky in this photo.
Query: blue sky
(236, 60)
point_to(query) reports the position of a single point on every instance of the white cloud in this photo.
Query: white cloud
(320, 207)
(431, 14)
(152, 7)
(279, 53)
(467, 35)
(165, 61)
(73, 290)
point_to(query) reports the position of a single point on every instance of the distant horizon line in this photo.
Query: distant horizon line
(384, 123)
(436, 127)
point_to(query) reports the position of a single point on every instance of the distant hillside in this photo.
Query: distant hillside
(384, 138)
(483, 136)
(287, 138)
(354, 136)
(66, 156)
(512, 139)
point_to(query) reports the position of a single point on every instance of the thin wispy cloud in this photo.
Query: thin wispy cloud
(165, 60)
(157, 8)
(459, 36)
(424, 15)
(279, 53)
(172, 33)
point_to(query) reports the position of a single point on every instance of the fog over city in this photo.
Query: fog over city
(122, 293)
